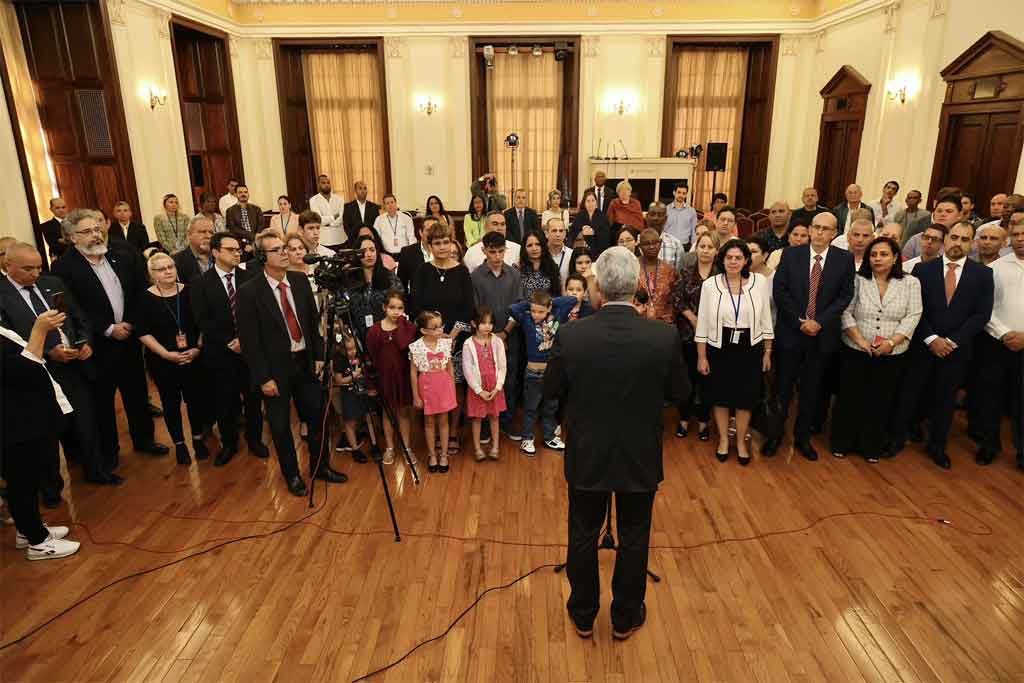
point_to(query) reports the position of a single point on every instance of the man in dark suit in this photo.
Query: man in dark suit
(602, 192)
(411, 257)
(812, 288)
(214, 303)
(56, 243)
(107, 281)
(520, 219)
(359, 212)
(845, 209)
(124, 228)
(195, 259)
(243, 219)
(278, 329)
(956, 297)
(614, 445)
(25, 294)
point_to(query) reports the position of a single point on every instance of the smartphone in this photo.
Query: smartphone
(80, 343)
(59, 304)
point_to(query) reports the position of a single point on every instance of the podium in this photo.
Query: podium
(651, 178)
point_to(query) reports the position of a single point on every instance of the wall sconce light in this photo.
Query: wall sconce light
(622, 106)
(620, 102)
(157, 96)
(427, 105)
(895, 91)
(904, 87)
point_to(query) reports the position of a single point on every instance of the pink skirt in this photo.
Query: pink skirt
(477, 407)
(437, 391)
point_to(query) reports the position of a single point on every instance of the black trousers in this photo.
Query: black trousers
(176, 383)
(24, 465)
(808, 366)
(120, 369)
(697, 403)
(227, 384)
(941, 377)
(80, 436)
(629, 581)
(870, 386)
(303, 388)
(1001, 372)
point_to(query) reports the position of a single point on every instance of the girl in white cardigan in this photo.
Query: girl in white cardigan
(483, 365)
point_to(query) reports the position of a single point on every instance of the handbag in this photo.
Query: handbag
(769, 419)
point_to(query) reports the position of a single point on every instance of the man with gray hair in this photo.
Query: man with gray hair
(614, 445)
(844, 212)
(195, 259)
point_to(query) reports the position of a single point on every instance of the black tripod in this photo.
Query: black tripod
(608, 541)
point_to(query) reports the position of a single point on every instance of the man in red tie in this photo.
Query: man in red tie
(279, 334)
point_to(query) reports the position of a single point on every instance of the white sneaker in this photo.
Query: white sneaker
(52, 549)
(57, 532)
(555, 444)
(389, 456)
(527, 447)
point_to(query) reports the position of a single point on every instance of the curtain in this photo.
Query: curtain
(346, 119)
(524, 96)
(710, 86)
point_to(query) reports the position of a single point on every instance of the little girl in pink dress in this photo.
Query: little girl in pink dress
(433, 383)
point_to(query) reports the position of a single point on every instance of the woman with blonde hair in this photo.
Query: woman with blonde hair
(171, 226)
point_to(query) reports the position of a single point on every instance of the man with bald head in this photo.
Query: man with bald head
(989, 244)
(809, 208)
(844, 211)
(812, 288)
(775, 234)
(195, 259)
(360, 211)
(995, 207)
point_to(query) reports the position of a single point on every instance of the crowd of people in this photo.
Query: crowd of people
(899, 313)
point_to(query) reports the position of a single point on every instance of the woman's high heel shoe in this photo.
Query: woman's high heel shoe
(432, 463)
(743, 459)
(443, 466)
(722, 457)
(681, 430)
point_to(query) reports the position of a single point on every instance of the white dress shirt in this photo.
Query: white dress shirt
(330, 210)
(362, 210)
(564, 262)
(1008, 302)
(475, 256)
(226, 202)
(26, 294)
(890, 216)
(296, 345)
(823, 255)
(908, 265)
(222, 274)
(395, 231)
(112, 286)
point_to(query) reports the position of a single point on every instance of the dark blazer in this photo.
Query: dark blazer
(514, 231)
(791, 288)
(615, 439)
(52, 234)
(187, 266)
(81, 281)
(263, 332)
(233, 220)
(28, 404)
(602, 237)
(16, 314)
(137, 235)
(609, 195)
(843, 209)
(962, 318)
(410, 258)
(212, 313)
(350, 219)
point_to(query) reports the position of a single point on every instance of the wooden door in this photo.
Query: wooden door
(298, 147)
(75, 77)
(208, 112)
(979, 155)
(842, 123)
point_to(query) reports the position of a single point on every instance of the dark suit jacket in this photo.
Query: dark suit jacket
(188, 267)
(16, 314)
(263, 332)
(514, 231)
(233, 220)
(609, 195)
(602, 237)
(962, 318)
(80, 279)
(410, 258)
(791, 288)
(28, 405)
(616, 370)
(843, 209)
(137, 235)
(52, 234)
(213, 317)
(350, 219)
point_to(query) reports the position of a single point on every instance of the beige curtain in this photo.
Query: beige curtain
(711, 82)
(524, 96)
(346, 119)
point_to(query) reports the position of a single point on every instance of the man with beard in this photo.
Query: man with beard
(195, 259)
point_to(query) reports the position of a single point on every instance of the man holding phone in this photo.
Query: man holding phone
(25, 294)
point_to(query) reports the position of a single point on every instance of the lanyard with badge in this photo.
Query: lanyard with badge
(736, 332)
(180, 339)
(394, 229)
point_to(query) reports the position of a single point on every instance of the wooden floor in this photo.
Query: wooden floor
(863, 597)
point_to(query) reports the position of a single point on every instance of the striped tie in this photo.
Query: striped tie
(812, 296)
(231, 294)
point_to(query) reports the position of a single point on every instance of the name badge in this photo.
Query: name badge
(736, 336)
(181, 341)
(368, 320)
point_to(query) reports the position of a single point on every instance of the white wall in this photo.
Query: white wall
(14, 212)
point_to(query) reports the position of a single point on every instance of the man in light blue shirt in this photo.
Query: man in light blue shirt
(682, 219)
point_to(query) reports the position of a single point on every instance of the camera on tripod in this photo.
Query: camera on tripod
(337, 272)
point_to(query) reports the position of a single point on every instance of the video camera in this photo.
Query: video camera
(336, 272)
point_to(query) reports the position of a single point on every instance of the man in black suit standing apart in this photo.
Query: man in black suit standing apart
(359, 212)
(601, 191)
(214, 304)
(56, 242)
(278, 329)
(411, 257)
(520, 219)
(812, 288)
(107, 281)
(956, 297)
(614, 444)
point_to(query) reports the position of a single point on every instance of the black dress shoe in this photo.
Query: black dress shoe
(681, 432)
(154, 411)
(114, 479)
(916, 433)
(199, 446)
(942, 460)
(1020, 459)
(807, 450)
(722, 457)
(331, 476)
(744, 460)
(153, 448)
(984, 457)
(258, 449)
(622, 634)
(182, 454)
(297, 487)
(225, 455)
(770, 447)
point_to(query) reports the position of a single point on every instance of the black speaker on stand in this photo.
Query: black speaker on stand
(715, 162)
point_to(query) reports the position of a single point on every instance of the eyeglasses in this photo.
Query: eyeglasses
(930, 238)
(89, 231)
(275, 250)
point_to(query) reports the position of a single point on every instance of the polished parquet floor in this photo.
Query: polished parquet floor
(886, 594)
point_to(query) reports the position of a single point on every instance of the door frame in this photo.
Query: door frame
(855, 84)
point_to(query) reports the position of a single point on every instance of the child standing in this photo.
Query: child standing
(388, 343)
(433, 383)
(483, 365)
(350, 399)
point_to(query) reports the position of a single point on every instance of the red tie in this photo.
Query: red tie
(812, 298)
(289, 314)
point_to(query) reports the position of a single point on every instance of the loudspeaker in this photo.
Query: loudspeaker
(716, 156)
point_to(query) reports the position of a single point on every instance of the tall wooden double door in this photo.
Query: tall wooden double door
(842, 123)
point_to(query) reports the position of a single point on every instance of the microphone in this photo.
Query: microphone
(599, 141)
(625, 154)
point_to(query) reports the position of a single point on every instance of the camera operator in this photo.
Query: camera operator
(487, 185)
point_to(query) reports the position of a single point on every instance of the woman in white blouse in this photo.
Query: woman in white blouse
(554, 210)
(734, 342)
(877, 328)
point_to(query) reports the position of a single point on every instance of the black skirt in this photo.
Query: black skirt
(735, 379)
